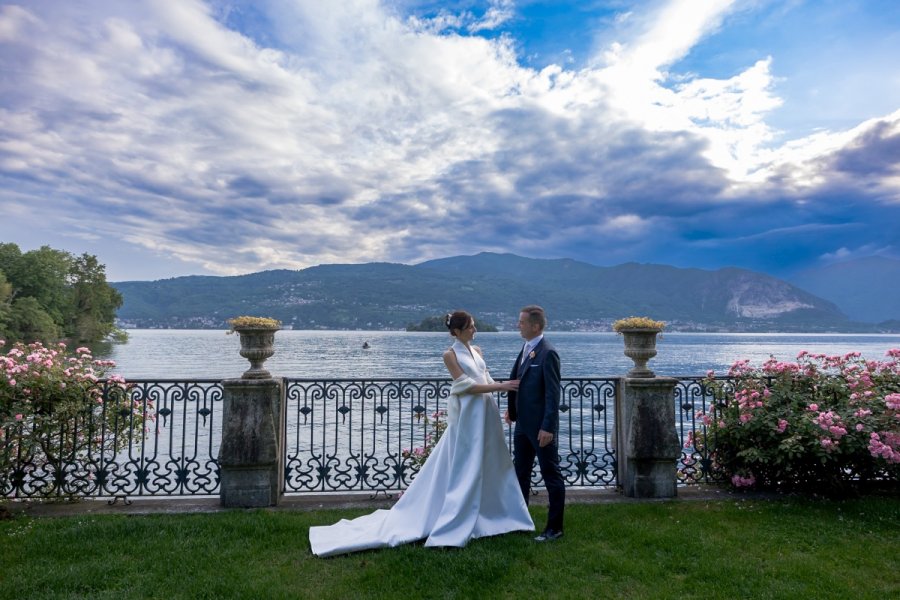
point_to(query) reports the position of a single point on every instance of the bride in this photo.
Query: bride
(466, 489)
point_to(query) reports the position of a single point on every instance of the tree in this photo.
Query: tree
(46, 294)
(94, 301)
(5, 304)
(10, 255)
(43, 274)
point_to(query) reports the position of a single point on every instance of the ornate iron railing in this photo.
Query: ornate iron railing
(171, 452)
(351, 434)
(694, 398)
(340, 435)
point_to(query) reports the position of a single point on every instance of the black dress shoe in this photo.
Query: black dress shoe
(549, 535)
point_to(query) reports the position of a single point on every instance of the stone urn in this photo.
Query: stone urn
(640, 346)
(257, 344)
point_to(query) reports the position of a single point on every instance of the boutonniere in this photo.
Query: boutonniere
(531, 354)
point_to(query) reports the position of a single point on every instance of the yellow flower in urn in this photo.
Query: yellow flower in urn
(638, 323)
(245, 322)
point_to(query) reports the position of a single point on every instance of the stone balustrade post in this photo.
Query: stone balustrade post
(648, 446)
(249, 456)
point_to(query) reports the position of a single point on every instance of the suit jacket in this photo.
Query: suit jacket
(535, 405)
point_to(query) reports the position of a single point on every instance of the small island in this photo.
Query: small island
(437, 324)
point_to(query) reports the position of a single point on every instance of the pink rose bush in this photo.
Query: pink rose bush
(419, 454)
(58, 421)
(817, 423)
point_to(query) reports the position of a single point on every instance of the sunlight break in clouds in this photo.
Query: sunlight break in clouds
(729, 114)
(355, 132)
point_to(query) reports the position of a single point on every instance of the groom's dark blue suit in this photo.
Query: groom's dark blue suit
(535, 407)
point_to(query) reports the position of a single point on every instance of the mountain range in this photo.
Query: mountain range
(577, 296)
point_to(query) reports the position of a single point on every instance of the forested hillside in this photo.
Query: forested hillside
(577, 295)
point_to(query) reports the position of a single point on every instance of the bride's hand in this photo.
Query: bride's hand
(510, 386)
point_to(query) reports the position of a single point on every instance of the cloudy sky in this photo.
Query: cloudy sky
(223, 137)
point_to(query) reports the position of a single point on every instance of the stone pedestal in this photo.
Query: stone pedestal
(649, 446)
(250, 450)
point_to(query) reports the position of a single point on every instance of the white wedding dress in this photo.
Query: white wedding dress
(466, 489)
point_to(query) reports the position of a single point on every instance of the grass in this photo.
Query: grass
(786, 548)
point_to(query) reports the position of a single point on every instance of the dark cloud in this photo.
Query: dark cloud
(248, 186)
(874, 153)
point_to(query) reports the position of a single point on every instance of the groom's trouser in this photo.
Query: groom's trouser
(524, 451)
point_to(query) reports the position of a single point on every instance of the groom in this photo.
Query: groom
(535, 410)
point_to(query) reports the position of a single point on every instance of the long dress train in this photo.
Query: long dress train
(466, 489)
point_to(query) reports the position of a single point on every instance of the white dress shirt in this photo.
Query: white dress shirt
(531, 345)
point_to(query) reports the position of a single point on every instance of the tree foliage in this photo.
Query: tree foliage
(49, 294)
(29, 321)
(5, 301)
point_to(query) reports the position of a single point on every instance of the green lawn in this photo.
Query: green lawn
(790, 548)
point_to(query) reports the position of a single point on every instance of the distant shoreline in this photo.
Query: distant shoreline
(549, 330)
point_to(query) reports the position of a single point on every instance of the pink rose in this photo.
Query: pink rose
(892, 401)
(738, 481)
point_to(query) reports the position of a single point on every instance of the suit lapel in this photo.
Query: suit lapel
(526, 358)
(521, 360)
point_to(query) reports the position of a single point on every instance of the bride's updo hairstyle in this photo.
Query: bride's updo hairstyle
(457, 321)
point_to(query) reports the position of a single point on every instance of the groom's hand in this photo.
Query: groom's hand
(506, 418)
(544, 438)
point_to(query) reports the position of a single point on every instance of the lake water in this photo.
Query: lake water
(201, 354)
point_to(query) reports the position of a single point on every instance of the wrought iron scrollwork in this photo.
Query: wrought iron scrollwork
(340, 435)
(693, 401)
(362, 448)
(171, 451)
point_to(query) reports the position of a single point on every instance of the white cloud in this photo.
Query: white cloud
(499, 12)
(13, 20)
(625, 225)
(660, 37)
(729, 113)
(844, 254)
